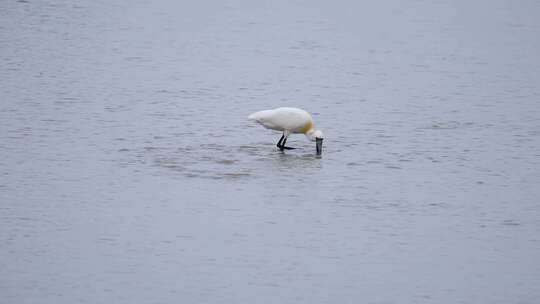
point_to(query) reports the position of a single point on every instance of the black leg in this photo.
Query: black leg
(279, 144)
(283, 145)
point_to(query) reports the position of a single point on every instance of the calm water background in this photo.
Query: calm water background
(130, 174)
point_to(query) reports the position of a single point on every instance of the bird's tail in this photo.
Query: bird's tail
(257, 115)
(252, 116)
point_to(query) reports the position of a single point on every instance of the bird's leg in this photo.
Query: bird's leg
(279, 144)
(282, 141)
(283, 145)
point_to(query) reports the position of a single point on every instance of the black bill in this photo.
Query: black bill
(318, 145)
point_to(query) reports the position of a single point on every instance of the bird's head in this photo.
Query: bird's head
(317, 136)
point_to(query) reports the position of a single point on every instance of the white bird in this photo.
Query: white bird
(288, 121)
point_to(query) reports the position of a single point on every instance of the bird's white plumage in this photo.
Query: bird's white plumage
(291, 120)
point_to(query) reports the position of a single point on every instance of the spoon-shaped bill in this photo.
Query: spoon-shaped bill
(318, 145)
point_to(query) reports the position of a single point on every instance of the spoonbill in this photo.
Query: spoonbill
(288, 121)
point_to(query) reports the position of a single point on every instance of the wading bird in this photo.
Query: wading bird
(288, 121)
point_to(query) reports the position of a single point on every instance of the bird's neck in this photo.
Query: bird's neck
(309, 133)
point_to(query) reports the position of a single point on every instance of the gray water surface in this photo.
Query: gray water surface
(130, 174)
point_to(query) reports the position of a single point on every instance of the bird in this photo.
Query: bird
(289, 121)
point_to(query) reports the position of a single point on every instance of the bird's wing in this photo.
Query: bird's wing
(288, 119)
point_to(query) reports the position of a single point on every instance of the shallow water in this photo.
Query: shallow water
(129, 172)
